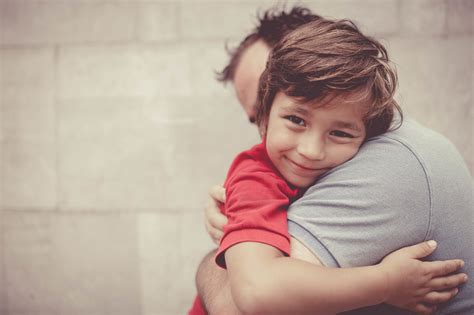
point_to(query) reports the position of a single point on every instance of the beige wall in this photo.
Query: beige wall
(113, 128)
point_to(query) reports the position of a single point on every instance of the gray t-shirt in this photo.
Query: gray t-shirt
(403, 187)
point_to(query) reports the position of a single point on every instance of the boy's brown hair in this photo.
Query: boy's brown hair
(323, 58)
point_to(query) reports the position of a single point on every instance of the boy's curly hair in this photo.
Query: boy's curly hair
(323, 58)
(272, 26)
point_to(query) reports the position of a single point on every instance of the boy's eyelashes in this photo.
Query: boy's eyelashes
(296, 120)
(341, 134)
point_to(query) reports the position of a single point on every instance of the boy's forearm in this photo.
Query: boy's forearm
(324, 290)
(267, 283)
(213, 287)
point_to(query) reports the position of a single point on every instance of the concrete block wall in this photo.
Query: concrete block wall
(113, 128)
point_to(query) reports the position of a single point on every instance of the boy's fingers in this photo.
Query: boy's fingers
(443, 268)
(214, 216)
(435, 297)
(218, 220)
(217, 192)
(420, 250)
(449, 282)
(424, 309)
(214, 219)
(214, 233)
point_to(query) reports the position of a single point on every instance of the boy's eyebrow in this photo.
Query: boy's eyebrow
(338, 123)
(296, 108)
(347, 125)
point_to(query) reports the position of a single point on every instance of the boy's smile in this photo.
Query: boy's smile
(302, 169)
(304, 141)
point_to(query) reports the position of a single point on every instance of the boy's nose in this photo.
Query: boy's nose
(312, 148)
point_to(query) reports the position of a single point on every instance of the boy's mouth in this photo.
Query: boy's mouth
(304, 167)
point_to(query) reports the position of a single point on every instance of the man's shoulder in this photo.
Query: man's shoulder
(412, 136)
(408, 150)
(410, 139)
(395, 155)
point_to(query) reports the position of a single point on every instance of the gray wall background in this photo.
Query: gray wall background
(113, 129)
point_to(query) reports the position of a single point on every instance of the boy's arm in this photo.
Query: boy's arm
(262, 281)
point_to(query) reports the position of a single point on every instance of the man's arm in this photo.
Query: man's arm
(211, 281)
(213, 284)
(213, 287)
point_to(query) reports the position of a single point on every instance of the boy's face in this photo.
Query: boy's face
(247, 75)
(304, 141)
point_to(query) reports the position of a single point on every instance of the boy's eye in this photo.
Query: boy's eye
(296, 120)
(342, 134)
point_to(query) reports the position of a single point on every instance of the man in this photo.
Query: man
(402, 188)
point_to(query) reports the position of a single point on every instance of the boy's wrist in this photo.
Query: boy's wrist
(383, 280)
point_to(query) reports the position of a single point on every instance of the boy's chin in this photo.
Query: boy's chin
(302, 183)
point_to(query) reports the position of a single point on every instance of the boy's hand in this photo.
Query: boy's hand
(213, 218)
(419, 286)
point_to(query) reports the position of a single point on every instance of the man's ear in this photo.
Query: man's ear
(262, 128)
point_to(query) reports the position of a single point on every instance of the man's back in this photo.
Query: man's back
(402, 188)
(451, 215)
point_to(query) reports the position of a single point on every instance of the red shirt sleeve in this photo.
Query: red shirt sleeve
(257, 199)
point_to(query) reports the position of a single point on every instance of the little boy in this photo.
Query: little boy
(325, 90)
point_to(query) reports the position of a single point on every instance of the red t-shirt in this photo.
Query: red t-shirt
(257, 198)
(197, 308)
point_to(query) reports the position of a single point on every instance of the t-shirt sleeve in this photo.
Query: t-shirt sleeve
(366, 208)
(256, 208)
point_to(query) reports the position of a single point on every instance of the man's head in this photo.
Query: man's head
(324, 59)
(248, 60)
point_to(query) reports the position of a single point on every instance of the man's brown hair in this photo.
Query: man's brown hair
(272, 26)
(323, 58)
